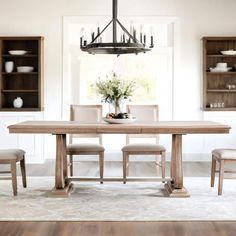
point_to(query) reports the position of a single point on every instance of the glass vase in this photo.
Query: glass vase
(116, 106)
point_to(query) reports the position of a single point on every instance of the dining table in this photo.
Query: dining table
(63, 183)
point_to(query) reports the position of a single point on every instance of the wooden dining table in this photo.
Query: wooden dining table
(63, 183)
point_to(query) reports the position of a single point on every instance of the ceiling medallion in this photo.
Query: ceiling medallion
(128, 42)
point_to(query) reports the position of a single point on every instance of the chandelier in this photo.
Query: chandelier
(128, 42)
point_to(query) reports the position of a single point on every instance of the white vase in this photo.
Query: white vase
(18, 102)
(116, 106)
(9, 65)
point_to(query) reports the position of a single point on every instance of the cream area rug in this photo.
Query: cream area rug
(117, 202)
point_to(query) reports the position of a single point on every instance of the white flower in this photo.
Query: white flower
(113, 88)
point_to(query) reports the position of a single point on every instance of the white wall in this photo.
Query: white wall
(197, 18)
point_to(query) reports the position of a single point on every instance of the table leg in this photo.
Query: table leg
(175, 187)
(60, 153)
(61, 189)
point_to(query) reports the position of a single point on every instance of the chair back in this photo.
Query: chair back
(86, 113)
(143, 113)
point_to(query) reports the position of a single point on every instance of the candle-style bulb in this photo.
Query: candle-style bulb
(141, 29)
(81, 37)
(92, 36)
(131, 27)
(123, 38)
(134, 35)
(151, 31)
(81, 42)
(98, 29)
(152, 45)
(82, 30)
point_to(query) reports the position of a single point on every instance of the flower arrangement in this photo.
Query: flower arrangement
(113, 90)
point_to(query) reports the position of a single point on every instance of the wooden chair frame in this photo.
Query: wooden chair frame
(71, 136)
(13, 172)
(126, 154)
(221, 171)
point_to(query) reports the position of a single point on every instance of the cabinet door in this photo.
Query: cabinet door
(7, 140)
(31, 143)
(213, 141)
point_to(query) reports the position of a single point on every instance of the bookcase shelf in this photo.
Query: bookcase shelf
(28, 86)
(215, 84)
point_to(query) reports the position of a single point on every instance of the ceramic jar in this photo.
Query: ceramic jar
(18, 102)
(9, 65)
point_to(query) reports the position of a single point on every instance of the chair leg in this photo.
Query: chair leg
(213, 171)
(14, 179)
(101, 166)
(163, 166)
(127, 165)
(23, 172)
(124, 167)
(221, 177)
(71, 165)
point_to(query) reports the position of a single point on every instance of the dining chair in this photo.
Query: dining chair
(86, 113)
(143, 113)
(221, 156)
(11, 157)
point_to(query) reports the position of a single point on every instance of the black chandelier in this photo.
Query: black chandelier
(128, 42)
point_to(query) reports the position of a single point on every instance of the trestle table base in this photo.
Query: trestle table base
(116, 179)
(61, 193)
(174, 192)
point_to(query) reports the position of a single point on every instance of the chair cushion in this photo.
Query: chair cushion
(225, 153)
(143, 147)
(12, 154)
(77, 148)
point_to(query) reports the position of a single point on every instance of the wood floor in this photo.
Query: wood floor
(117, 228)
(193, 169)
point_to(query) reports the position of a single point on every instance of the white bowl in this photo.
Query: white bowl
(24, 69)
(119, 121)
(229, 52)
(221, 65)
(219, 69)
(17, 52)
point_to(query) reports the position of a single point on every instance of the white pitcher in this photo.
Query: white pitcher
(18, 102)
(9, 66)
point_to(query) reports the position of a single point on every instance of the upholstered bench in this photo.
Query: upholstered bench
(221, 156)
(12, 156)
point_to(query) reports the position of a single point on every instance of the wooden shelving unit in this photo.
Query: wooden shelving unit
(215, 84)
(28, 86)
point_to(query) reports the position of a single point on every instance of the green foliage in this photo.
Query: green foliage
(114, 88)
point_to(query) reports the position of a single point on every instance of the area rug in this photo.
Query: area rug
(117, 202)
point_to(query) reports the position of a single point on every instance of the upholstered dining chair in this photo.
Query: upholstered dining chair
(11, 157)
(221, 156)
(143, 113)
(86, 113)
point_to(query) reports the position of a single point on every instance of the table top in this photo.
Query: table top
(160, 127)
